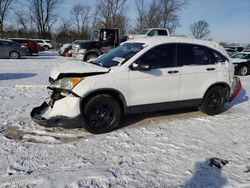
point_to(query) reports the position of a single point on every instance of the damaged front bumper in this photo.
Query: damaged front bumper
(63, 112)
(235, 89)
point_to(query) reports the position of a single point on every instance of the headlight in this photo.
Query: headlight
(66, 83)
(82, 51)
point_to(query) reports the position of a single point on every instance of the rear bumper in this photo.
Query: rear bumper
(235, 90)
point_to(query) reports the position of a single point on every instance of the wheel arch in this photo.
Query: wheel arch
(221, 84)
(89, 53)
(112, 92)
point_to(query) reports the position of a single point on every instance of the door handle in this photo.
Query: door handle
(173, 72)
(210, 69)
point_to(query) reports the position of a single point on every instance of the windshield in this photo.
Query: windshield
(94, 35)
(240, 55)
(143, 32)
(118, 55)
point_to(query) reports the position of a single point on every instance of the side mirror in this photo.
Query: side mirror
(140, 66)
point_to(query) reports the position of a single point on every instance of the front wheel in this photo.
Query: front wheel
(214, 101)
(102, 114)
(14, 55)
(243, 71)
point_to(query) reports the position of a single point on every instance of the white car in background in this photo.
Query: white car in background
(148, 74)
(46, 44)
(241, 61)
(150, 32)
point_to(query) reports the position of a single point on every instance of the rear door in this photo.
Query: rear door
(198, 71)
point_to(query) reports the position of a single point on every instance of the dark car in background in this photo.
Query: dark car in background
(241, 61)
(86, 49)
(11, 49)
(31, 45)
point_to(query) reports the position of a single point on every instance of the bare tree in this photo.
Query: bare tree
(169, 12)
(4, 8)
(44, 15)
(25, 19)
(141, 9)
(81, 14)
(159, 13)
(110, 11)
(200, 29)
(153, 16)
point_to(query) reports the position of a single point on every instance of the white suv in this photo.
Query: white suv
(44, 43)
(143, 75)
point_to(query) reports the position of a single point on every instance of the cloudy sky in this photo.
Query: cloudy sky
(229, 20)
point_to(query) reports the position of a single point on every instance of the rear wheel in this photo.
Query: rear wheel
(14, 55)
(214, 101)
(46, 48)
(102, 114)
(243, 71)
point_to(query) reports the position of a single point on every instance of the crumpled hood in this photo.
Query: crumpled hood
(76, 68)
(238, 60)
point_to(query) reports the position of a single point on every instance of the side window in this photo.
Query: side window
(216, 57)
(189, 54)
(13, 44)
(153, 33)
(162, 56)
(162, 32)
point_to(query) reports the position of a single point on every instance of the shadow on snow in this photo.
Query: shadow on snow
(15, 76)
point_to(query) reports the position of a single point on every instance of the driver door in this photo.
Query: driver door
(160, 83)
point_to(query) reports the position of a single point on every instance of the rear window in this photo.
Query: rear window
(189, 54)
(48, 41)
(216, 57)
(162, 32)
(39, 41)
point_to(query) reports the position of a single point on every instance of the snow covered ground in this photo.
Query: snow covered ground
(164, 149)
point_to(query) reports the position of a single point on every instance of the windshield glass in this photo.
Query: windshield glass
(143, 32)
(118, 55)
(240, 55)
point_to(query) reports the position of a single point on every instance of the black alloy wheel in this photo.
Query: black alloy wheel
(102, 114)
(214, 101)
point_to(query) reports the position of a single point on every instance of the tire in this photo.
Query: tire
(243, 70)
(102, 114)
(214, 101)
(14, 55)
(46, 48)
(90, 56)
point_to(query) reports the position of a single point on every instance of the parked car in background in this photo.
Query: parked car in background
(241, 61)
(31, 45)
(246, 50)
(64, 49)
(86, 50)
(150, 32)
(11, 49)
(144, 75)
(44, 43)
(231, 51)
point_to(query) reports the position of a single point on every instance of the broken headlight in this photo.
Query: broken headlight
(66, 83)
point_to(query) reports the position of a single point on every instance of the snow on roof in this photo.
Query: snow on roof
(156, 40)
